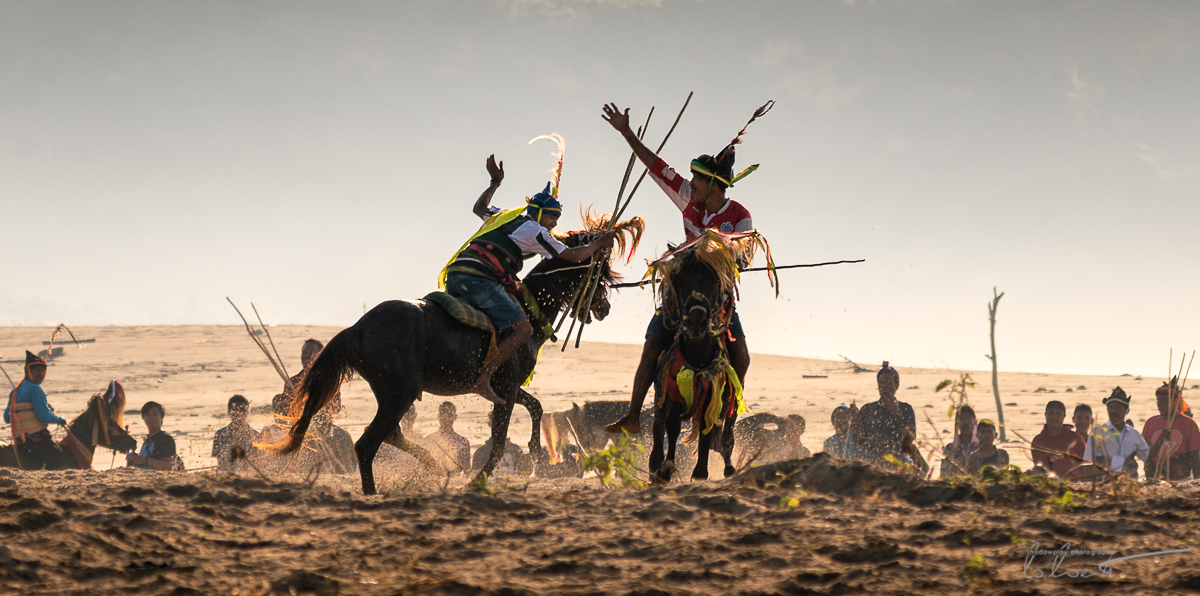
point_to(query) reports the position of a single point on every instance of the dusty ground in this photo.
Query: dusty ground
(814, 527)
(818, 528)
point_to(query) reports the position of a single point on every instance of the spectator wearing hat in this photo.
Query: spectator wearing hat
(958, 452)
(1116, 443)
(988, 455)
(882, 426)
(1058, 447)
(841, 444)
(1173, 438)
(30, 415)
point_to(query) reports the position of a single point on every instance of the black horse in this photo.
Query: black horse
(98, 425)
(402, 348)
(697, 284)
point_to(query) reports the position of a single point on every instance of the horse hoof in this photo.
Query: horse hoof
(730, 471)
(666, 472)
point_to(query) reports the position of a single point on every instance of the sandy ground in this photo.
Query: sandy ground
(193, 370)
(817, 526)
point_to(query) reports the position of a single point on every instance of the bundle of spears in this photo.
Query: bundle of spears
(587, 291)
(276, 360)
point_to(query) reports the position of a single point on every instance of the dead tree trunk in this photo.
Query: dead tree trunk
(995, 379)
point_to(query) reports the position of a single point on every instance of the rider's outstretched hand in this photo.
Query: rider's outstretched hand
(615, 117)
(494, 170)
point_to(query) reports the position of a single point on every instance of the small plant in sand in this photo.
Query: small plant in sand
(617, 464)
(958, 392)
(1064, 504)
(481, 485)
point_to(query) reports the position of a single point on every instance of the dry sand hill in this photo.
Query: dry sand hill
(816, 526)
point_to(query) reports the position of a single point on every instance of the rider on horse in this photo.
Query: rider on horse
(484, 272)
(704, 206)
(30, 416)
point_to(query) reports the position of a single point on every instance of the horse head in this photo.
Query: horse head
(101, 423)
(697, 283)
(561, 279)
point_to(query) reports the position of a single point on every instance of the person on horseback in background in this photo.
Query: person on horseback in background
(484, 274)
(704, 205)
(29, 414)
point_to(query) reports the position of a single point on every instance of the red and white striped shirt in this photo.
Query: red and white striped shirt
(731, 217)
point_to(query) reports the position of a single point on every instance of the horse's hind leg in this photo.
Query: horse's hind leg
(727, 443)
(534, 407)
(397, 440)
(501, 413)
(673, 421)
(393, 397)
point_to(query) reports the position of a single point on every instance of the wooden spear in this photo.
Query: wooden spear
(617, 216)
(278, 368)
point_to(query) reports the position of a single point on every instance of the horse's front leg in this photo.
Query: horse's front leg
(501, 414)
(674, 424)
(536, 452)
(702, 449)
(658, 429)
(727, 443)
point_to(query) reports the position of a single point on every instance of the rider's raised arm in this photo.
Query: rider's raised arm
(620, 121)
(497, 174)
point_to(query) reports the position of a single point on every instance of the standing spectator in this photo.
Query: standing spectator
(1058, 447)
(1083, 424)
(988, 455)
(449, 448)
(841, 444)
(158, 448)
(1173, 437)
(882, 425)
(238, 433)
(1116, 443)
(958, 452)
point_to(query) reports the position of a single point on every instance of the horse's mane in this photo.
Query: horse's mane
(114, 409)
(629, 236)
(719, 253)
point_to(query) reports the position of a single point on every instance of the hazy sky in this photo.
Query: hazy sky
(316, 156)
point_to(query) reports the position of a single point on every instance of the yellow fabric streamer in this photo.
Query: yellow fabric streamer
(489, 224)
(686, 380)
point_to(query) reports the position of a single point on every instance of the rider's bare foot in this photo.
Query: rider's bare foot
(631, 424)
(483, 388)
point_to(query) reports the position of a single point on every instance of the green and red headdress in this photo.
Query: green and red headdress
(720, 167)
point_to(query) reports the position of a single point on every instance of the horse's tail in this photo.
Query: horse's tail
(334, 365)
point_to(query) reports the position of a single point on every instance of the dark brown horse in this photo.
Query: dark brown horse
(98, 425)
(697, 284)
(402, 348)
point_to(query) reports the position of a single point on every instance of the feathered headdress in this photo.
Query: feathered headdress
(720, 167)
(556, 171)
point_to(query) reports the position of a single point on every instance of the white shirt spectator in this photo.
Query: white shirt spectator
(1120, 446)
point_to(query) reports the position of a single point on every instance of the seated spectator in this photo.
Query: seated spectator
(1058, 447)
(886, 426)
(1173, 438)
(958, 452)
(1116, 443)
(767, 438)
(508, 462)
(158, 448)
(333, 445)
(449, 448)
(237, 433)
(988, 455)
(841, 444)
(30, 416)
